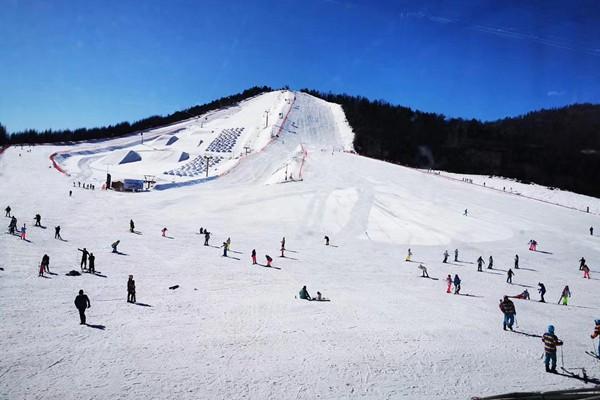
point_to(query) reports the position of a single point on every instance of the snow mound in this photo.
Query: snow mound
(131, 156)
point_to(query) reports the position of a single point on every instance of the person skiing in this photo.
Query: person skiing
(70, 193)
(456, 255)
(449, 283)
(282, 245)
(206, 237)
(508, 309)
(490, 263)
(164, 231)
(326, 240)
(253, 255)
(45, 264)
(509, 276)
(581, 263)
(92, 263)
(516, 261)
(12, 225)
(595, 334)
(57, 232)
(586, 271)
(550, 343)
(456, 284)
(23, 231)
(409, 255)
(82, 302)
(542, 291)
(228, 243)
(114, 246)
(303, 295)
(84, 257)
(7, 211)
(564, 297)
(131, 290)
(423, 269)
(269, 260)
(522, 296)
(131, 226)
(591, 231)
(445, 256)
(38, 220)
(225, 249)
(533, 245)
(480, 263)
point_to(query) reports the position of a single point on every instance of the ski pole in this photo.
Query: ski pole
(562, 357)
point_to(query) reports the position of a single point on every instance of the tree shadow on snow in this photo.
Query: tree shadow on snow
(101, 327)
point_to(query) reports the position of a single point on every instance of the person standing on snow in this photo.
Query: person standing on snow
(206, 237)
(225, 249)
(7, 211)
(596, 334)
(131, 290)
(509, 276)
(131, 226)
(466, 212)
(92, 258)
(456, 255)
(449, 283)
(581, 263)
(423, 269)
(12, 225)
(490, 263)
(542, 291)
(228, 242)
(508, 309)
(164, 231)
(269, 260)
(84, 257)
(326, 240)
(23, 232)
(114, 246)
(586, 271)
(38, 220)
(82, 302)
(445, 256)
(283, 243)
(456, 284)
(564, 297)
(253, 255)
(550, 343)
(591, 231)
(480, 263)
(516, 261)
(409, 255)
(57, 232)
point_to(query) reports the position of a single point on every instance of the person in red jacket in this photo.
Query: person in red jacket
(449, 282)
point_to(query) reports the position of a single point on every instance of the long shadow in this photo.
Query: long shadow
(44, 276)
(99, 274)
(414, 261)
(572, 375)
(465, 262)
(101, 327)
(333, 245)
(26, 240)
(63, 240)
(468, 295)
(542, 251)
(291, 251)
(142, 304)
(40, 226)
(525, 286)
(429, 277)
(528, 334)
(52, 273)
(120, 253)
(493, 273)
(528, 269)
(233, 251)
(235, 258)
(137, 232)
(498, 269)
(215, 247)
(289, 258)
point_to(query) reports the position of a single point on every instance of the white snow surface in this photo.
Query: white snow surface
(236, 331)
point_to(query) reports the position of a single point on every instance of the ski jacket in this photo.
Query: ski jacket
(82, 301)
(507, 307)
(456, 281)
(131, 286)
(304, 294)
(550, 342)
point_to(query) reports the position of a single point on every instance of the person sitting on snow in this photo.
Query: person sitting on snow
(522, 296)
(304, 294)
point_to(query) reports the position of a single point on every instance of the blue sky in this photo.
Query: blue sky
(88, 63)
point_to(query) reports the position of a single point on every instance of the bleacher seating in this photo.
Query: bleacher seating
(196, 167)
(226, 140)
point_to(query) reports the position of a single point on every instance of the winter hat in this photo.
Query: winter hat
(550, 328)
(597, 322)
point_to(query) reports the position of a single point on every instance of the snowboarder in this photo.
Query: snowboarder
(164, 231)
(542, 291)
(456, 255)
(581, 263)
(550, 343)
(490, 263)
(92, 264)
(523, 296)
(131, 226)
(480, 263)
(269, 260)
(84, 257)
(516, 261)
(114, 246)
(591, 231)
(45, 264)
(533, 245)
(509, 276)
(7, 211)
(304, 294)
(23, 232)
(326, 240)
(82, 302)
(206, 237)
(57, 232)
(449, 283)
(586, 271)
(131, 290)
(564, 297)
(253, 255)
(409, 255)
(596, 334)
(456, 284)
(38, 220)
(225, 249)
(508, 308)
(423, 269)
(445, 256)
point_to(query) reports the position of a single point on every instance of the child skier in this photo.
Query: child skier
(586, 271)
(550, 343)
(564, 297)
(253, 255)
(533, 245)
(164, 231)
(23, 232)
(449, 283)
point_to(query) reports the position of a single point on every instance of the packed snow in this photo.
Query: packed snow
(233, 330)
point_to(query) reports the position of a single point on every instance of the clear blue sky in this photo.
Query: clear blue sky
(87, 63)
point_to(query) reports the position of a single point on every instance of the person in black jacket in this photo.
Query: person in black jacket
(82, 302)
(84, 257)
(131, 290)
(131, 226)
(38, 220)
(57, 232)
(92, 259)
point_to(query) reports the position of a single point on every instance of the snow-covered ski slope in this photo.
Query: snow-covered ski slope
(235, 331)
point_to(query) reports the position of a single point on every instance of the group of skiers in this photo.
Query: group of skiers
(88, 261)
(85, 185)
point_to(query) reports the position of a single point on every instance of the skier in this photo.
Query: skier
(516, 261)
(508, 308)
(225, 249)
(480, 263)
(12, 225)
(70, 193)
(445, 256)
(509, 276)
(131, 226)
(456, 255)
(326, 240)
(206, 237)
(542, 291)
(564, 297)
(84, 257)
(7, 211)
(523, 296)
(550, 343)
(82, 302)
(449, 283)
(282, 245)
(23, 231)
(253, 255)
(466, 212)
(164, 231)
(57, 232)
(303, 295)
(490, 263)
(269, 260)
(45, 265)
(92, 264)
(456, 284)
(38, 219)
(533, 245)
(423, 269)
(228, 243)
(131, 290)
(114, 246)
(581, 263)
(586, 271)
(409, 255)
(591, 231)
(597, 333)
